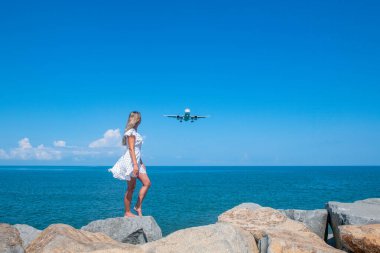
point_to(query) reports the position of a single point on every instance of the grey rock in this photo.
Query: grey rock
(315, 220)
(220, 238)
(133, 230)
(10, 240)
(27, 233)
(358, 213)
(375, 201)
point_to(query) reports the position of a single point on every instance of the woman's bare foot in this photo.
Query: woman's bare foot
(138, 210)
(129, 214)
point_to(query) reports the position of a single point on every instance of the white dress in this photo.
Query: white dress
(123, 168)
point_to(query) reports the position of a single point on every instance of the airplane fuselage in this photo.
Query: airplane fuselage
(186, 116)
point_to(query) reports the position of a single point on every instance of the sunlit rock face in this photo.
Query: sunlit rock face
(274, 231)
(64, 238)
(360, 238)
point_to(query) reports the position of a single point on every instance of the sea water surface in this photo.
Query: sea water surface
(180, 197)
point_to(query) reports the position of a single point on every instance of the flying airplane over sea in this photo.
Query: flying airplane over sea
(186, 116)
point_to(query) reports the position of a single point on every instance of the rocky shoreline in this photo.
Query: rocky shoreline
(247, 227)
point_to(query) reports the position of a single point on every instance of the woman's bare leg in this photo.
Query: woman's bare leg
(144, 189)
(128, 197)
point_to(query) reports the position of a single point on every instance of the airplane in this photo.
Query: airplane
(186, 116)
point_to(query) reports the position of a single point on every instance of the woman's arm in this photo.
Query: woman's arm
(131, 148)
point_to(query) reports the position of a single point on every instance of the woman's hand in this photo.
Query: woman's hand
(135, 170)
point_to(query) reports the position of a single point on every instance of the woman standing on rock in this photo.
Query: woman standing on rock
(130, 166)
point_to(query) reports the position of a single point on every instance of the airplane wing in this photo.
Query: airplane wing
(174, 116)
(198, 117)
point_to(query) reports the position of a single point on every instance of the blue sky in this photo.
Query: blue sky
(285, 82)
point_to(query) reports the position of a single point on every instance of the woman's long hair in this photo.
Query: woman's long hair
(133, 121)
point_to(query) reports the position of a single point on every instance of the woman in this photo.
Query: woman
(130, 166)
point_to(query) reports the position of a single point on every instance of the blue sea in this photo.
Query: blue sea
(180, 197)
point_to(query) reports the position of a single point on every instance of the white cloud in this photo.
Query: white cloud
(43, 153)
(107, 146)
(59, 144)
(85, 152)
(111, 138)
(25, 151)
(24, 143)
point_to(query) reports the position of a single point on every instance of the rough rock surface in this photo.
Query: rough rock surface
(66, 239)
(287, 241)
(10, 240)
(275, 232)
(360, 238)
(206, 239)
(257, 221)
(358, 213)
(374, 201)
(133, 230)
(115, 250)
(249, 205)
(315, 220)
(27, 233)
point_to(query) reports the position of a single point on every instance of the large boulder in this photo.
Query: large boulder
(274, 231)
(133, 230)
(315, 220)
(259, 220)
(64, 238)
(27, 233)
(206, 239)
(360, 238)
(282, 241)
(358, 213)
(10, 240)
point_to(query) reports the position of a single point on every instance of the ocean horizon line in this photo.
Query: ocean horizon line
(196, 165)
